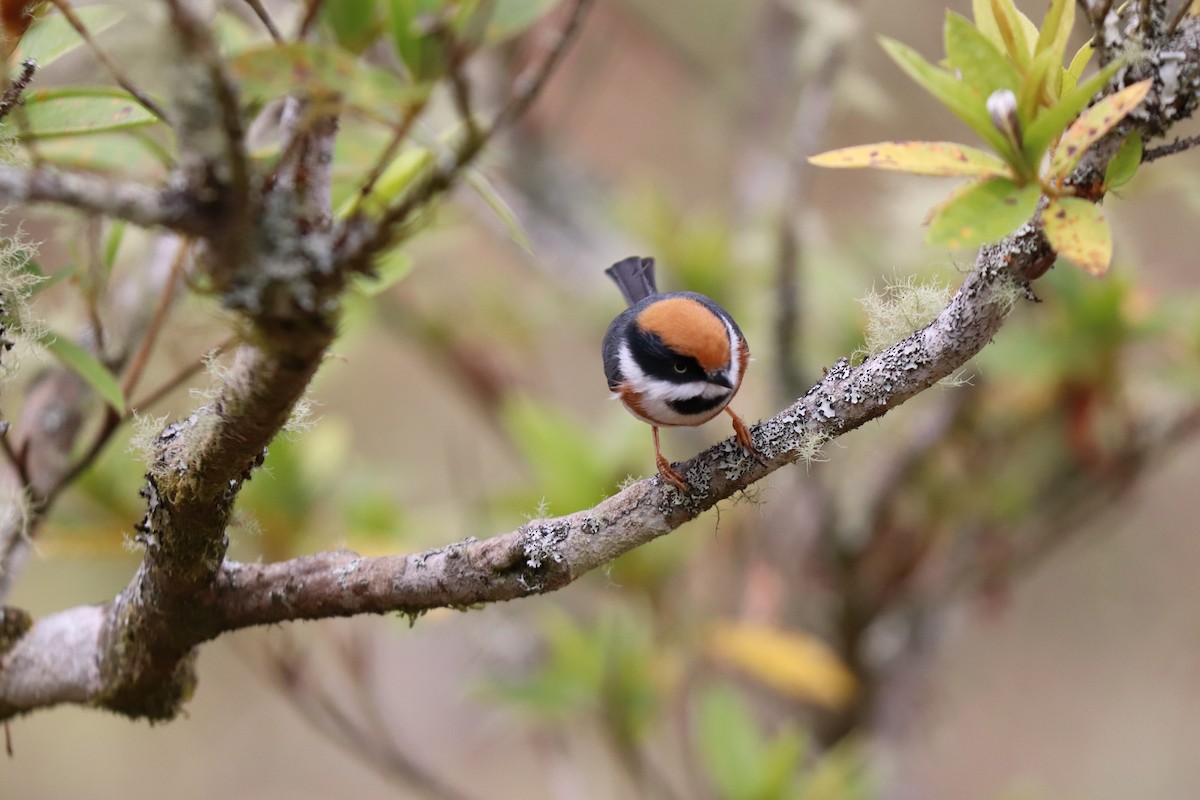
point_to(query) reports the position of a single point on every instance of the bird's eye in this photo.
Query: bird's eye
(680, 367)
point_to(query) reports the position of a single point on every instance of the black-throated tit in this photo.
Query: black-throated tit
(673, 358)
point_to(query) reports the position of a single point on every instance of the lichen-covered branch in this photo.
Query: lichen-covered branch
(166, 207)
(134, 655)
(185, 593)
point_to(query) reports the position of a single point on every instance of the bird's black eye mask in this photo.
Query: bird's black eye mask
(659, 361)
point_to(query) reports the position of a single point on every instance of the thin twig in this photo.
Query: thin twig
(381, 164)
(1177, 146)
(1100, 15)
(141, 97)
(310, 16)
(1179, 17)
(529, 83)
(178, 379)
(526, 88)
(93, 284)
(460, 85)
(113, 421)
(137, 364)
(266, 20)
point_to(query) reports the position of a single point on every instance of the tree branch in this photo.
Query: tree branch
(131, 201)
(134, 655)
(165, 612)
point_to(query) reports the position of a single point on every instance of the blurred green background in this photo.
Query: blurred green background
(986, 594)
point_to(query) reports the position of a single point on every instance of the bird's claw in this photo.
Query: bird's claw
(671, 475)
(742, 433)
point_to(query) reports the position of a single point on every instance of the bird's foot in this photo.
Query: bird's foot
(671, 475)
(743, 437)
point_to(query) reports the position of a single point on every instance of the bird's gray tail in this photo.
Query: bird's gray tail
(634, 276)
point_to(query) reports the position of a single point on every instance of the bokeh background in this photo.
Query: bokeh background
(989, 593)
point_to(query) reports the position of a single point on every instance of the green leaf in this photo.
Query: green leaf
(52, 37)
(86, 366)
(393, 182)
(1035, 84)
(982, 65)
(487, 192)
(983, 211)
(966, 103)
(127, 152)
(327, 74)
(1015, 31)
(839, 774)
(513, 17)
(422, 53)
(1077, 230)
(1054, 120)
(1078, 63)
(1093, 124)
(918, 158)
(116, 235)
(985, 20)
(76, 111)
(1056, 30)
(1125, 163)
(609, 669)
(742, 763)
(562, 452)
(730, 742)
(45, 281)
(355, 23)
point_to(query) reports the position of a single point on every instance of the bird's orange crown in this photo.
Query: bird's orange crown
(688, 328)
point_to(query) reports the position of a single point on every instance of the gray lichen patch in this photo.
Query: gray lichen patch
(541, 542)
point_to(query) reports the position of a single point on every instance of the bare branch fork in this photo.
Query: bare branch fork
(135, 654)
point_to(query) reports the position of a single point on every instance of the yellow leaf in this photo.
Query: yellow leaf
(790, 662)
(1094, 123)
(1077, 230)
(919, 158)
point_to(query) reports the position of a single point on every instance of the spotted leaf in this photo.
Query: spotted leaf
(919, 158)
(1094, 123)
(982, 211)
(1078, 231)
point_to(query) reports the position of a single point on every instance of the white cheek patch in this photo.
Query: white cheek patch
(631, 373)
(735, 350)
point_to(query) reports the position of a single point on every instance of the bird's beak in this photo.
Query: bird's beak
(720, 378)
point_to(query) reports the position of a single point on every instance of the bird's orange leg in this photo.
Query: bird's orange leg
(665, 470)
(743, 436)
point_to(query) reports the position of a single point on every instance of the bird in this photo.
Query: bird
(673, 358)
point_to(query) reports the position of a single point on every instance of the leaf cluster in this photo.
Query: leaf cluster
(1005, 78)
